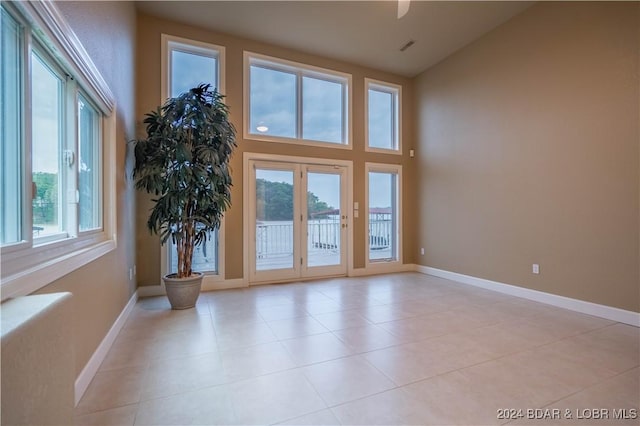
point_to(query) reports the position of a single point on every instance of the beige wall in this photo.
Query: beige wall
(528, 148)
(102, 288)
(148, 94)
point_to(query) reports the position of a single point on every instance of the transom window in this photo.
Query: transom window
(56, 112)
(383, 116)
(188, 63)
(291, 102)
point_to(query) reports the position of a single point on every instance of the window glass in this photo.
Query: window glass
(89, 170)
(297, 103)
(273, 102)
(322, 110)
(46, 149)
(11, 131)
(381, 120)
(383, 216)
(383, 116)
(205, 256)
(188, 70)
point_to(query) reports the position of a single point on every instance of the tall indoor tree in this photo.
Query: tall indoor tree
(184, 163)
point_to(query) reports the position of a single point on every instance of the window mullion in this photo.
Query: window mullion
(394, 121)
(299, 112)
(70, 157)
(345, 122)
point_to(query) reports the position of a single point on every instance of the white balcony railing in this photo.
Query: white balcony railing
(274, 240)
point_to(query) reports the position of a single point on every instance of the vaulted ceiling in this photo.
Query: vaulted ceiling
(362, 32)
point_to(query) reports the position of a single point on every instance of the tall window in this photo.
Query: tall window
(384, 212)
(188, 64)
(53, 106)
(383, 116)
(291, 102)
(65, 180)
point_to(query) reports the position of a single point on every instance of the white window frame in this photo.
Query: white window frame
(383, 266)
(396, 91)
(27, 267)
(170, 43)
(300, 70)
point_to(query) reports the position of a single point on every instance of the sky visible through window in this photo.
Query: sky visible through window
(273, 102)
(274, 105)
(189, 70)
(381, 120)
(321, 110)
(46, 117)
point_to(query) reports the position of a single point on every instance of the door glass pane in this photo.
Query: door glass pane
(323, 219)
(11, 131)
(322, 112)
(89, 168)
(46, 149)
(273, 102)
(381, 120)
(383, 216)
(274, 219)
(188, 70)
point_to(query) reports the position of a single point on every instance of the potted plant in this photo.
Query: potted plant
(184, 163)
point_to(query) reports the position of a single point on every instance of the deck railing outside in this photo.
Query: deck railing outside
(274, 239)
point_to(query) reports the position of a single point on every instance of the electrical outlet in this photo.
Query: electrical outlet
(422, 251)
(130, 274)
(535, 268)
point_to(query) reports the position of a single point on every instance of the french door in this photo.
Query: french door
(297, 221)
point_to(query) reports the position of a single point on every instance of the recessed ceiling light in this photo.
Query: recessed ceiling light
(262, 128)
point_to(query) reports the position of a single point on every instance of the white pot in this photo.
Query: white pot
(183, 292)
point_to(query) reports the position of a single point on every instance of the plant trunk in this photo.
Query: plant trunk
(180, 249)
(188, 249)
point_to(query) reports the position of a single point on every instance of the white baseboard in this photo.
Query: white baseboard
(151, 290)
(158, 290)
(381, 268)
(589, 308)
(224, 284)
(89, 371)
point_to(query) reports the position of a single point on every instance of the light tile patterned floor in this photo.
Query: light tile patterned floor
(394, 349)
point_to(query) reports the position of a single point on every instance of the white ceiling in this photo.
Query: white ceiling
(361, 32)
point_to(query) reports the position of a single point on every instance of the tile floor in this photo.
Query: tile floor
(394, 349)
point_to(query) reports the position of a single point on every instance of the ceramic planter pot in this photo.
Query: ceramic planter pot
(183, 292)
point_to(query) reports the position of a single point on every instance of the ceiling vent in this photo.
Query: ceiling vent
(407, 45)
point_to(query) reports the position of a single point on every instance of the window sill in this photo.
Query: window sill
(298, 142)
(34, 278)
(383, 150)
